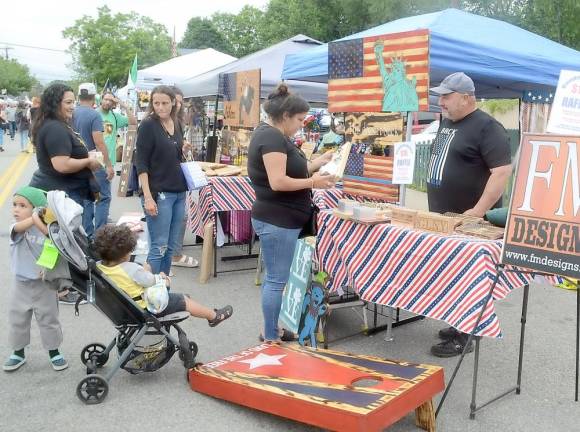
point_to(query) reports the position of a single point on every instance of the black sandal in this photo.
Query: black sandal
(287, 336)
(221, 315)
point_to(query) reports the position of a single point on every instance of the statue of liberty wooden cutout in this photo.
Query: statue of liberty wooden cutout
(400, 93)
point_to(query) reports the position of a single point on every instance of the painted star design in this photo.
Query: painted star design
(264, 360)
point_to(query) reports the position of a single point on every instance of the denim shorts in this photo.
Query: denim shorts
(176, 304)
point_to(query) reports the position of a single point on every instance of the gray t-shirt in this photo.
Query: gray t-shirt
(86, 121)
(25, 248)
(11, 114)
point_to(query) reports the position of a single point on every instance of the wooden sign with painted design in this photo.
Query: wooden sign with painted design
(127, 163)
(241, 92)
(543, 226)
(328, 389)
(386, 73)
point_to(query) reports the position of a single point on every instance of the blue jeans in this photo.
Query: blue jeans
(23, 138)
(278, 246)
(165, 230)
(12, 128)
(98, 211)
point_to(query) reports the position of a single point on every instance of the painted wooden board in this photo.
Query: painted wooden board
(324, 388)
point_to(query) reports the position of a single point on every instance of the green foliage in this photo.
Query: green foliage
(201, 33)
(104, 47)
(498, 106)
(242, 32)
(15, 77)
(326, 20)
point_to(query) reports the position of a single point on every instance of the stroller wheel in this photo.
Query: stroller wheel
(95, 352)
(193, 350)
(92, 389)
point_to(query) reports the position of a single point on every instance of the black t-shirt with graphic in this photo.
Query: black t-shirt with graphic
(463, 152)
(283, 209)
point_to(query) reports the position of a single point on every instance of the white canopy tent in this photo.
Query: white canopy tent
(177, 69)
(270, 61)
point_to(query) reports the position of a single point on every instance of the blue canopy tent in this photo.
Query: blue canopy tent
(503, 60)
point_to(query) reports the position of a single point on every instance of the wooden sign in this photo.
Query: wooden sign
(127, 161)
(435, 222)
(404, 217)
(370, 176)
(373, 129)
(300, 274)
(241, 92)
(387, 73)
(332, 390)
(543, 227)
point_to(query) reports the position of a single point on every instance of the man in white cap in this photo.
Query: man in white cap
(469, 168)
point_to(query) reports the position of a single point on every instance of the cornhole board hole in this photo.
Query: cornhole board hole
(329, 389)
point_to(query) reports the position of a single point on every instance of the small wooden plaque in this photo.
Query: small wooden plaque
(436, 222)
(403, 217)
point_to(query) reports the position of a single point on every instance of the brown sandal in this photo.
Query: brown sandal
(221, 315)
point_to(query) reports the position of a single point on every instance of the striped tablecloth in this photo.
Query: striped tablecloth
(236, 193)
(445, 278)
(221, 194)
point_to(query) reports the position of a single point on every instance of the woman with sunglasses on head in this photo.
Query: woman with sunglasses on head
(159, 154)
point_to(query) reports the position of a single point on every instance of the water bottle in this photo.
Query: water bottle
(91, 291)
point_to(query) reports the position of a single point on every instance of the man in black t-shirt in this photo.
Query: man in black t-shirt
(469, 168)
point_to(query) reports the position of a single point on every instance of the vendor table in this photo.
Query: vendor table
(441, 277)
(236, 193)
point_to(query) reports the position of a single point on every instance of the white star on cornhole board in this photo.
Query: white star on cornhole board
(264, 360)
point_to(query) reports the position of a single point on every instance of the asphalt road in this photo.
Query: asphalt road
(36, 397)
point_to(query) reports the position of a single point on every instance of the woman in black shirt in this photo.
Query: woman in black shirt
(63, 159)
(283, 180)
(159, 154)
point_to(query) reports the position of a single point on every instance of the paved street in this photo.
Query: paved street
(36, 397)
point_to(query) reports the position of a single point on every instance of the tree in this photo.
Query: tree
(201, 33)
(104, 48)
(243, 32)
(15, 77)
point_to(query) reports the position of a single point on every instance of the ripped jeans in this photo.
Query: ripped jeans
(165, 230)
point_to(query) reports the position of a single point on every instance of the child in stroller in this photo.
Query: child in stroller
(114, 244)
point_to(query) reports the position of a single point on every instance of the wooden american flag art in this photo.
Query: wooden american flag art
(387, 73)
(333, 390)
(370, 176)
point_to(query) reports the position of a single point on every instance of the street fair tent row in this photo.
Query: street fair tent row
(503, 60)
(270, 60)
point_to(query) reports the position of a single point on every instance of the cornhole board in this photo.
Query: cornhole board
(329, 389)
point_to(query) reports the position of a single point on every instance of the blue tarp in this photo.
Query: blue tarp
(503, 59)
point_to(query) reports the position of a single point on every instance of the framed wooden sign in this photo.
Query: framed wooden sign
(386, 73)
(128, 150)
(241, 92)
(543, 226)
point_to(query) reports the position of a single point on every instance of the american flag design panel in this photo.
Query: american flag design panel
(227, 86)
(355, 83)
(370, 176)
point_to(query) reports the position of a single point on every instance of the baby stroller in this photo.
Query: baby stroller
(134, 325)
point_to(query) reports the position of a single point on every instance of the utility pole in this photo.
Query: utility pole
(6, 48)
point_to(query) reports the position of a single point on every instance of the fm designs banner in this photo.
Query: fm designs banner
(543, 229)
(241, 91)
(388, 73)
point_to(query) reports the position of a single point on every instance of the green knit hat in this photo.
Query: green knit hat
(35, 196)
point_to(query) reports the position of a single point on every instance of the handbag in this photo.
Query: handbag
(194, 175)
(310, 228)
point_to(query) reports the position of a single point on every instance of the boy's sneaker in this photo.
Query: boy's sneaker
(70, 298)
(58, 362)
(13, 362)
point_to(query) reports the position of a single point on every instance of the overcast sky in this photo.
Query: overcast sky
(39, 23)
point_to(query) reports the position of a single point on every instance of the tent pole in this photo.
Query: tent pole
(211, 149)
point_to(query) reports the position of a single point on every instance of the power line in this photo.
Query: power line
(33, 47)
